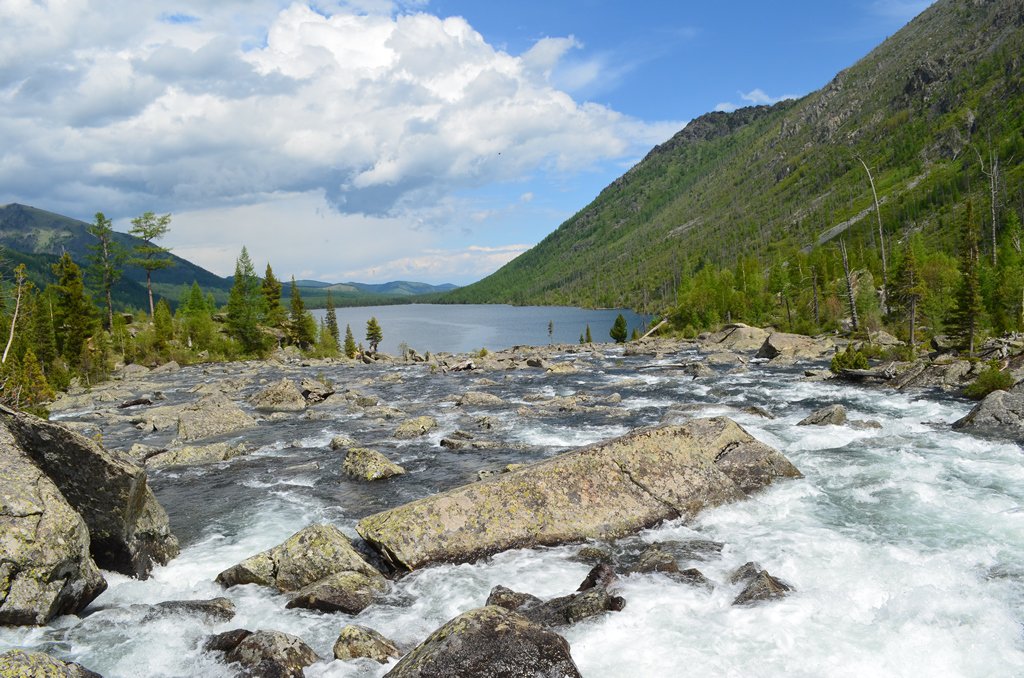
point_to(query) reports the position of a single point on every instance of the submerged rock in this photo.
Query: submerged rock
(603, 491)
(219, 609)
(833, 415)
(365, 464)
(194, 455)
(762, 587)
(45, 567)
(355, 642)
(1000, 413)
(128, 529)
(25, 664)
(489, 642)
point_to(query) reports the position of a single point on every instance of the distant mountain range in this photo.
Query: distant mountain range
(929, 111)
(38, 238)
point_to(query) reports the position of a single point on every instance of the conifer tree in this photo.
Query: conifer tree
(374, 334)
(43, 338)
(909, 288)
(350, 342)
(271, 288)
(150, 257)
(301, 326)
(34, 389)
(106, 260)
(587, 336)
(163, 324)
(619, 330)
(966, 316)
(246, 306)
(331, 321)
(73, 311)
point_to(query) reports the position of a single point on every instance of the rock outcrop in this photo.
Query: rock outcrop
(600, 492)
(999, 414)
(22, 664)
(281, 396)
(128, 529)
(45, 567)
(319, 564)
(794, 347)
(355, 642)
(489, 642)
(366, 464)
(212, 415)
(736, 337)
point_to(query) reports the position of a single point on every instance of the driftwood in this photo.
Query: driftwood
(886, 373)
(133, 403)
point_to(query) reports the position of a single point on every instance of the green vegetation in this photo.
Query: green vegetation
(350, 343)
(848, 359)
(619, 329)
(374, 334)
(993, 378)
(149, 256)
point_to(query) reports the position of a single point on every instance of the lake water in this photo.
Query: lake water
(468, 327)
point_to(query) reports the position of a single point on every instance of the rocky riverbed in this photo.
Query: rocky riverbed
(245, 458)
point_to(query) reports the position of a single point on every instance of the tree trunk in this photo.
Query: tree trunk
(881, 238)
(814, 284)
(14, 318)
(913, 317)
(149, 286)
(851, 296)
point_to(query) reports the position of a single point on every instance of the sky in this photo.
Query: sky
(378, 140)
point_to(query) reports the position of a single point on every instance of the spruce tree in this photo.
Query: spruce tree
(246, 307)
(619, 330)
(374, 334)
(909, 289)
(301, 326)
(331, 321)
(151, 257)
(271, 288)
(73, 311)
(587, 336)
(350, 343)
(163, 324)
(106, 261)
(966, 316)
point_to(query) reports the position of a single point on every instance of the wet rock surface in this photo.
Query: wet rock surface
(356, 642)
(22, 664)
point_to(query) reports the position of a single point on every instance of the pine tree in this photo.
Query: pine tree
(619, 330)
(374, 334)
(271, 288)
(43, 337)
(106, 261)
(246, 307)
(350, 343)
(331, 321)
(35, 390)
(163, 324)
(301, 326)
(73, 311)
(966, 316)
(909, 289)
(150, 257)
(587, 335)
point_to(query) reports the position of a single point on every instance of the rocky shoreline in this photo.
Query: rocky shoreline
(62, 488)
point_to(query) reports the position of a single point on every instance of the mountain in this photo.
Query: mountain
(924, 110)
(314, 293)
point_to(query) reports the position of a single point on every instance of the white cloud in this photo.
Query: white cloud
(469, 263)
(755, 97)
(195, 105)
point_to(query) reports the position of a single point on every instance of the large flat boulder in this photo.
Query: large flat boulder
(736, 337)
(794, 347)
(128, 529)
(212, 415)
(600, 492)
(999, 414)
(489, 642)
(45, 566)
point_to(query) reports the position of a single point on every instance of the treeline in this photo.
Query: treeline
(918, 292)
(65, 333)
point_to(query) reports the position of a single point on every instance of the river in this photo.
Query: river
(460, 328)
(904, 543)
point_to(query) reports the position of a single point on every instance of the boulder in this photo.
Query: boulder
(308, 556)
(604, 491)
(883, 338)
(489, 642)
(794, 347)
(46, 569)
(315, 391)
(365, 464)
(561, 611)
(356, 641)
(210, 416)
(194, 455)
(128, 529)
(166, 368)
(345, 591)
(281, 396)
(479, 399)
(342, 442)
(737, 337)
(272, 654)
(215, 609)
(762, 587)
(26, 664)
(832, 415)
(1000, 413)
(415, 427)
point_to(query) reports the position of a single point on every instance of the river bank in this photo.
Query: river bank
(894, 533)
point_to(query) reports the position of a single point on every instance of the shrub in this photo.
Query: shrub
(848, 359)
(991, 379)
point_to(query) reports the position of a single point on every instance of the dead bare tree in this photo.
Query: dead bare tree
(881, 235)
(20, 276)
(993, 186)
(850, 292)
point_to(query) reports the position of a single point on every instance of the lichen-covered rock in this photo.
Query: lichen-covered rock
(24, 664)
(560, 611)
(315, 391)
(1000, 413)
(128, 529)
(281, 396)
(194, 455)
(489, 642)
(365, 464)
(45, 566)
(273, 654)
(346, 591)
(216, 609)
(737, 337)
(304, 558)
(415, 427)
(833, 415)
(600, 492)
(794, 346)
(211, 415)
(342, 442)
(355, 642)
(479, 399)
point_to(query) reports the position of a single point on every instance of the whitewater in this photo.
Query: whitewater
(904, 542)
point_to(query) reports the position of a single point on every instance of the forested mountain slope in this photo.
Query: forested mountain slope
(928, 111)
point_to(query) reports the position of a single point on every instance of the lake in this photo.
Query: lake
(469, 327)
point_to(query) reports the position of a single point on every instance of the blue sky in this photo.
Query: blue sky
(374, 140)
